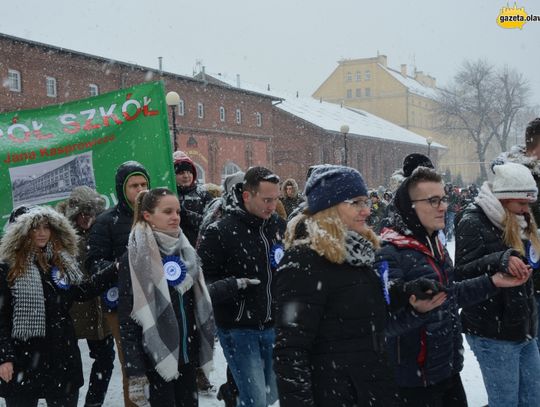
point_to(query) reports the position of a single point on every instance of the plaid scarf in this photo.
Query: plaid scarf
(152, 300)
(28, 298)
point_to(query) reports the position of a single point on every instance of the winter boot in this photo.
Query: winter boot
(226, 395)
(203, 384)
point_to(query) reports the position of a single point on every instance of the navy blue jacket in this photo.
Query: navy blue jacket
(433, 352)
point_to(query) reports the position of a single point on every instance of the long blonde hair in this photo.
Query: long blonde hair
(326, 234)
(512, 236)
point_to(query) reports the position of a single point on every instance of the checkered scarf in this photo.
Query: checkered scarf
(28, 298)
(152, 300)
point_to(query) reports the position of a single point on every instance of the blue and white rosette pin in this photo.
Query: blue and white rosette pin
(276, 254)
(533, 256)
(111, 297)
(175, 270)
(60, 281)
(383, 274)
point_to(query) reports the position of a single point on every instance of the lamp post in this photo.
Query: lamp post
(173, 100)
(345, 130)
(429, 140)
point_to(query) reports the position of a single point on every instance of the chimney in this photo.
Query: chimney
(404, 70)
(203, 74)
(160, 65)
(381, 59)
(238, 80)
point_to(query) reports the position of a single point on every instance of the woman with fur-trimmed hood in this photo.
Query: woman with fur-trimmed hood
(39, 281)
(291, 198)
(331, 314)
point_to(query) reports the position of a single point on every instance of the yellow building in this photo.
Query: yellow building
(408, 101)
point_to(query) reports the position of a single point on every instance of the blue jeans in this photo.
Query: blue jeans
(538, 304)
(249, 355)
(511, 371)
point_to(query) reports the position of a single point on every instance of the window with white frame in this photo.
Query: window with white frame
(368, 92)
(238, 116)
(229, 169)
(258, 118)
(349, 76)
(349, 93)
(51, 86)
(14, 80)
(201, 174)
(358, 92)
(200, 110)
(222, 113)
(94, 89)
(367, 75)
(358, 76)
(181, 108)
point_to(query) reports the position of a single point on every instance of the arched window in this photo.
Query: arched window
(201, 174)
(229, 169)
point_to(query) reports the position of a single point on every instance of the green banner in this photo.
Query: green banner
(46, 152)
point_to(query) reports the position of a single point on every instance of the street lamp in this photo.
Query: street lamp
(429, 140)
(173, 100)
(345, 130)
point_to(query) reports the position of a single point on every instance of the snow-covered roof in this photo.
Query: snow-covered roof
(331, 117)
(412, 84)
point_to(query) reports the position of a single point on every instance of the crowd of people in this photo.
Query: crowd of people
(336, 295)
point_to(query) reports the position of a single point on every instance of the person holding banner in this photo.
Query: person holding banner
(39, 281)
(165, 312)
(81, 209)
(108, 243)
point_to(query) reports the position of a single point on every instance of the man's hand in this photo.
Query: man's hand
(423, 306)
(6, 371)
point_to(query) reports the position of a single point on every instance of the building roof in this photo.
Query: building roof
(126, 64)
(331, 116)
(412, 84)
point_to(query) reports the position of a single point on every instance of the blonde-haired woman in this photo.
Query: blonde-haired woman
(497, 233)
(331, 305)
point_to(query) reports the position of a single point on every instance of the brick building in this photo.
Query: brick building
(223, 125)
(223, 129)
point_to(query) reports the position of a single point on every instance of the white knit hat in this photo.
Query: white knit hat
(514, 181)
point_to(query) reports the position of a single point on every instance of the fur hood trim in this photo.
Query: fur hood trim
(18, 232)
(82, 199)
(517, 154)
(288, 182)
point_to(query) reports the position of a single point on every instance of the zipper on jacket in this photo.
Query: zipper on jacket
(241, 311)
(269, 272)
(184, 328)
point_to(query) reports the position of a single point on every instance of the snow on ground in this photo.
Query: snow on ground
(471, 376)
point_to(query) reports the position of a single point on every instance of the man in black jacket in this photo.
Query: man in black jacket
(246, 243)
(108, 241)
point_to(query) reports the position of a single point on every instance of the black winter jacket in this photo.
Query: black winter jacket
(335, 354)
(108, 239)
(136, 360)
(433, 352)
(241, 245)
(511, 315)
(193, 200)
(49, 366)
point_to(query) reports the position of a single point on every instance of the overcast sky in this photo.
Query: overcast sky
(291, 44)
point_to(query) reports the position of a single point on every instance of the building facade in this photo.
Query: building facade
(408, 101)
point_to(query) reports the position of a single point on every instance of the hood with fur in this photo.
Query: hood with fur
(288, 182)
(83, 199)
(19, 231)
(517, 155)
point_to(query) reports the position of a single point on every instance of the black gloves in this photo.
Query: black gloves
(400, 291)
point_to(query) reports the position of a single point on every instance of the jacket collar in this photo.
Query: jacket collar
(433, 249)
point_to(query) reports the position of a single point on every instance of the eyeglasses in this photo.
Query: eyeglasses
(434, 201)
(359, 203)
